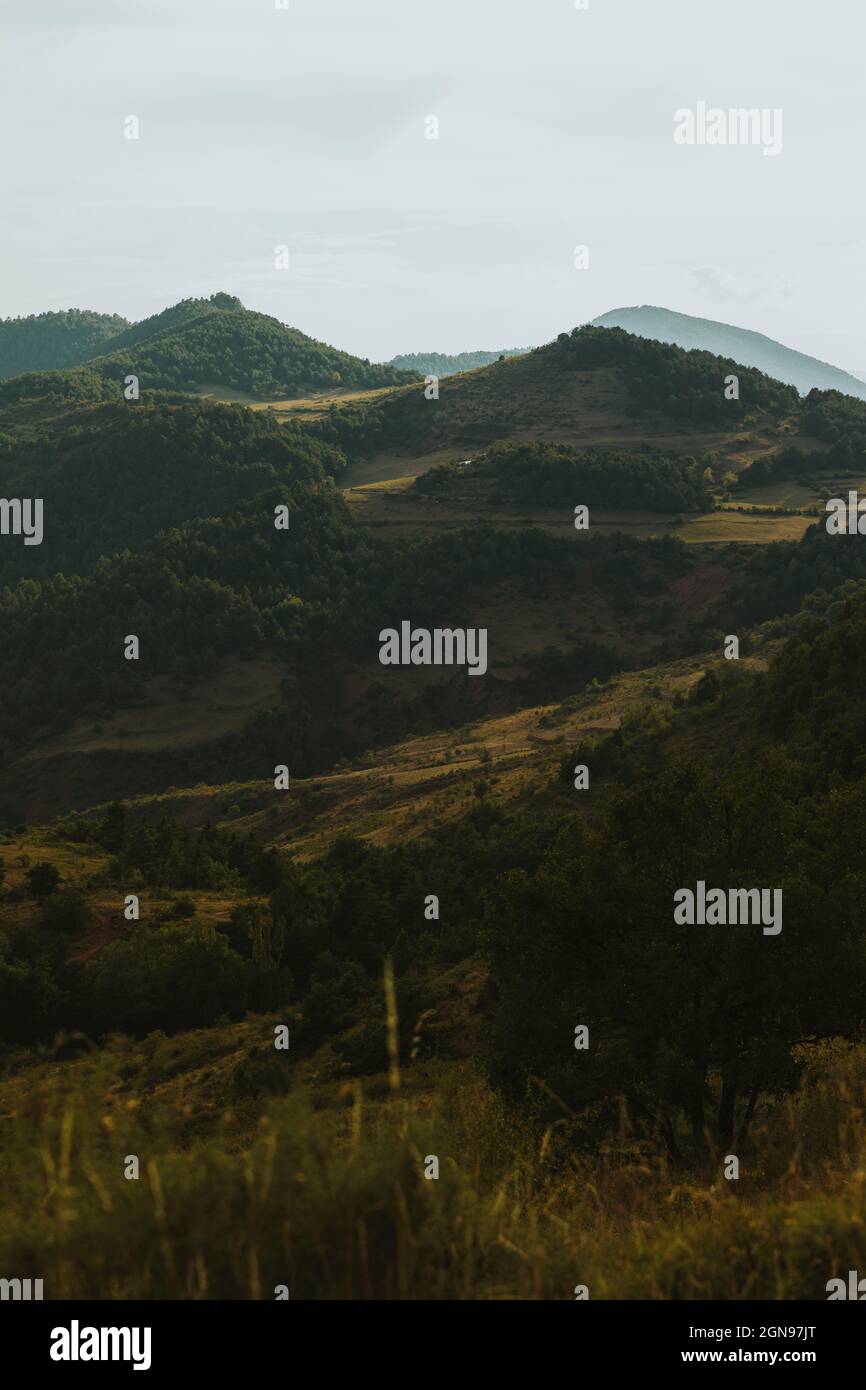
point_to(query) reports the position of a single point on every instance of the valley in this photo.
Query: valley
(431, 895)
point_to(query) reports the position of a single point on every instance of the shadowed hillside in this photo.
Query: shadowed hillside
(591, 386)
(450, 1036)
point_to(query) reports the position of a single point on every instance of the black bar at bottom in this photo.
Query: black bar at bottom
(254, 1338)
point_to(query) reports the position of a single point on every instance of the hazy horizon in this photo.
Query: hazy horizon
(305, 127)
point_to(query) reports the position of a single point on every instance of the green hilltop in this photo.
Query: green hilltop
(206, 344)
(42, 342)
(740, 344)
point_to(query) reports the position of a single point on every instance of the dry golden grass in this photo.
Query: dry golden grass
(403, 790)
(309, 407)
(325, 1190)
(390, 509)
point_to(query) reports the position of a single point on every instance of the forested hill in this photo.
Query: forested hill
(174, 317)
(42, 342)
(160, 522)
(588, 381)
(740, 344)
(552, 475)
(212, 343)
(118, 474)
(449, 363)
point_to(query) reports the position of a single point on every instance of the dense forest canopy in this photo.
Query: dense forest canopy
(115, 476)
(207, 343)
(558, 475)
(670, 380)
(667, 1009)
(41, 342)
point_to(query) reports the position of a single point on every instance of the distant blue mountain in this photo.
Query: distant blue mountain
(738, 344)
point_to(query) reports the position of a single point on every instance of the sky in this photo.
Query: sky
(307, 127)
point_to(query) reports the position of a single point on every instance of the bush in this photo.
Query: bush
(173, 978)
(66, 912)
(262, 1072)
(182, 909)
(42, 880)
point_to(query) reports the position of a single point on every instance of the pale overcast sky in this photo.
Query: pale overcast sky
(305, 126)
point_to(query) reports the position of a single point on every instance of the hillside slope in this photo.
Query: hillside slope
(160, 522)
(589, 387)
(450, 1035)
(739, 344)
(204, 345)
(44, 342)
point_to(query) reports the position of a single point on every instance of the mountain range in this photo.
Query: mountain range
(200, 343)
(166, 500)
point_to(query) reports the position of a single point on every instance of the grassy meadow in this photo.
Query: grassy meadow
(250, 1179)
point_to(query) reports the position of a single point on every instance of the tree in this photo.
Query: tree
(66, 912)
(175, 978)
(42, 880)
(691, 1024)
(114, 829)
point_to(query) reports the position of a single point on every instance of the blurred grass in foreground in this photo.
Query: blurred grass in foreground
(325, 1192)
